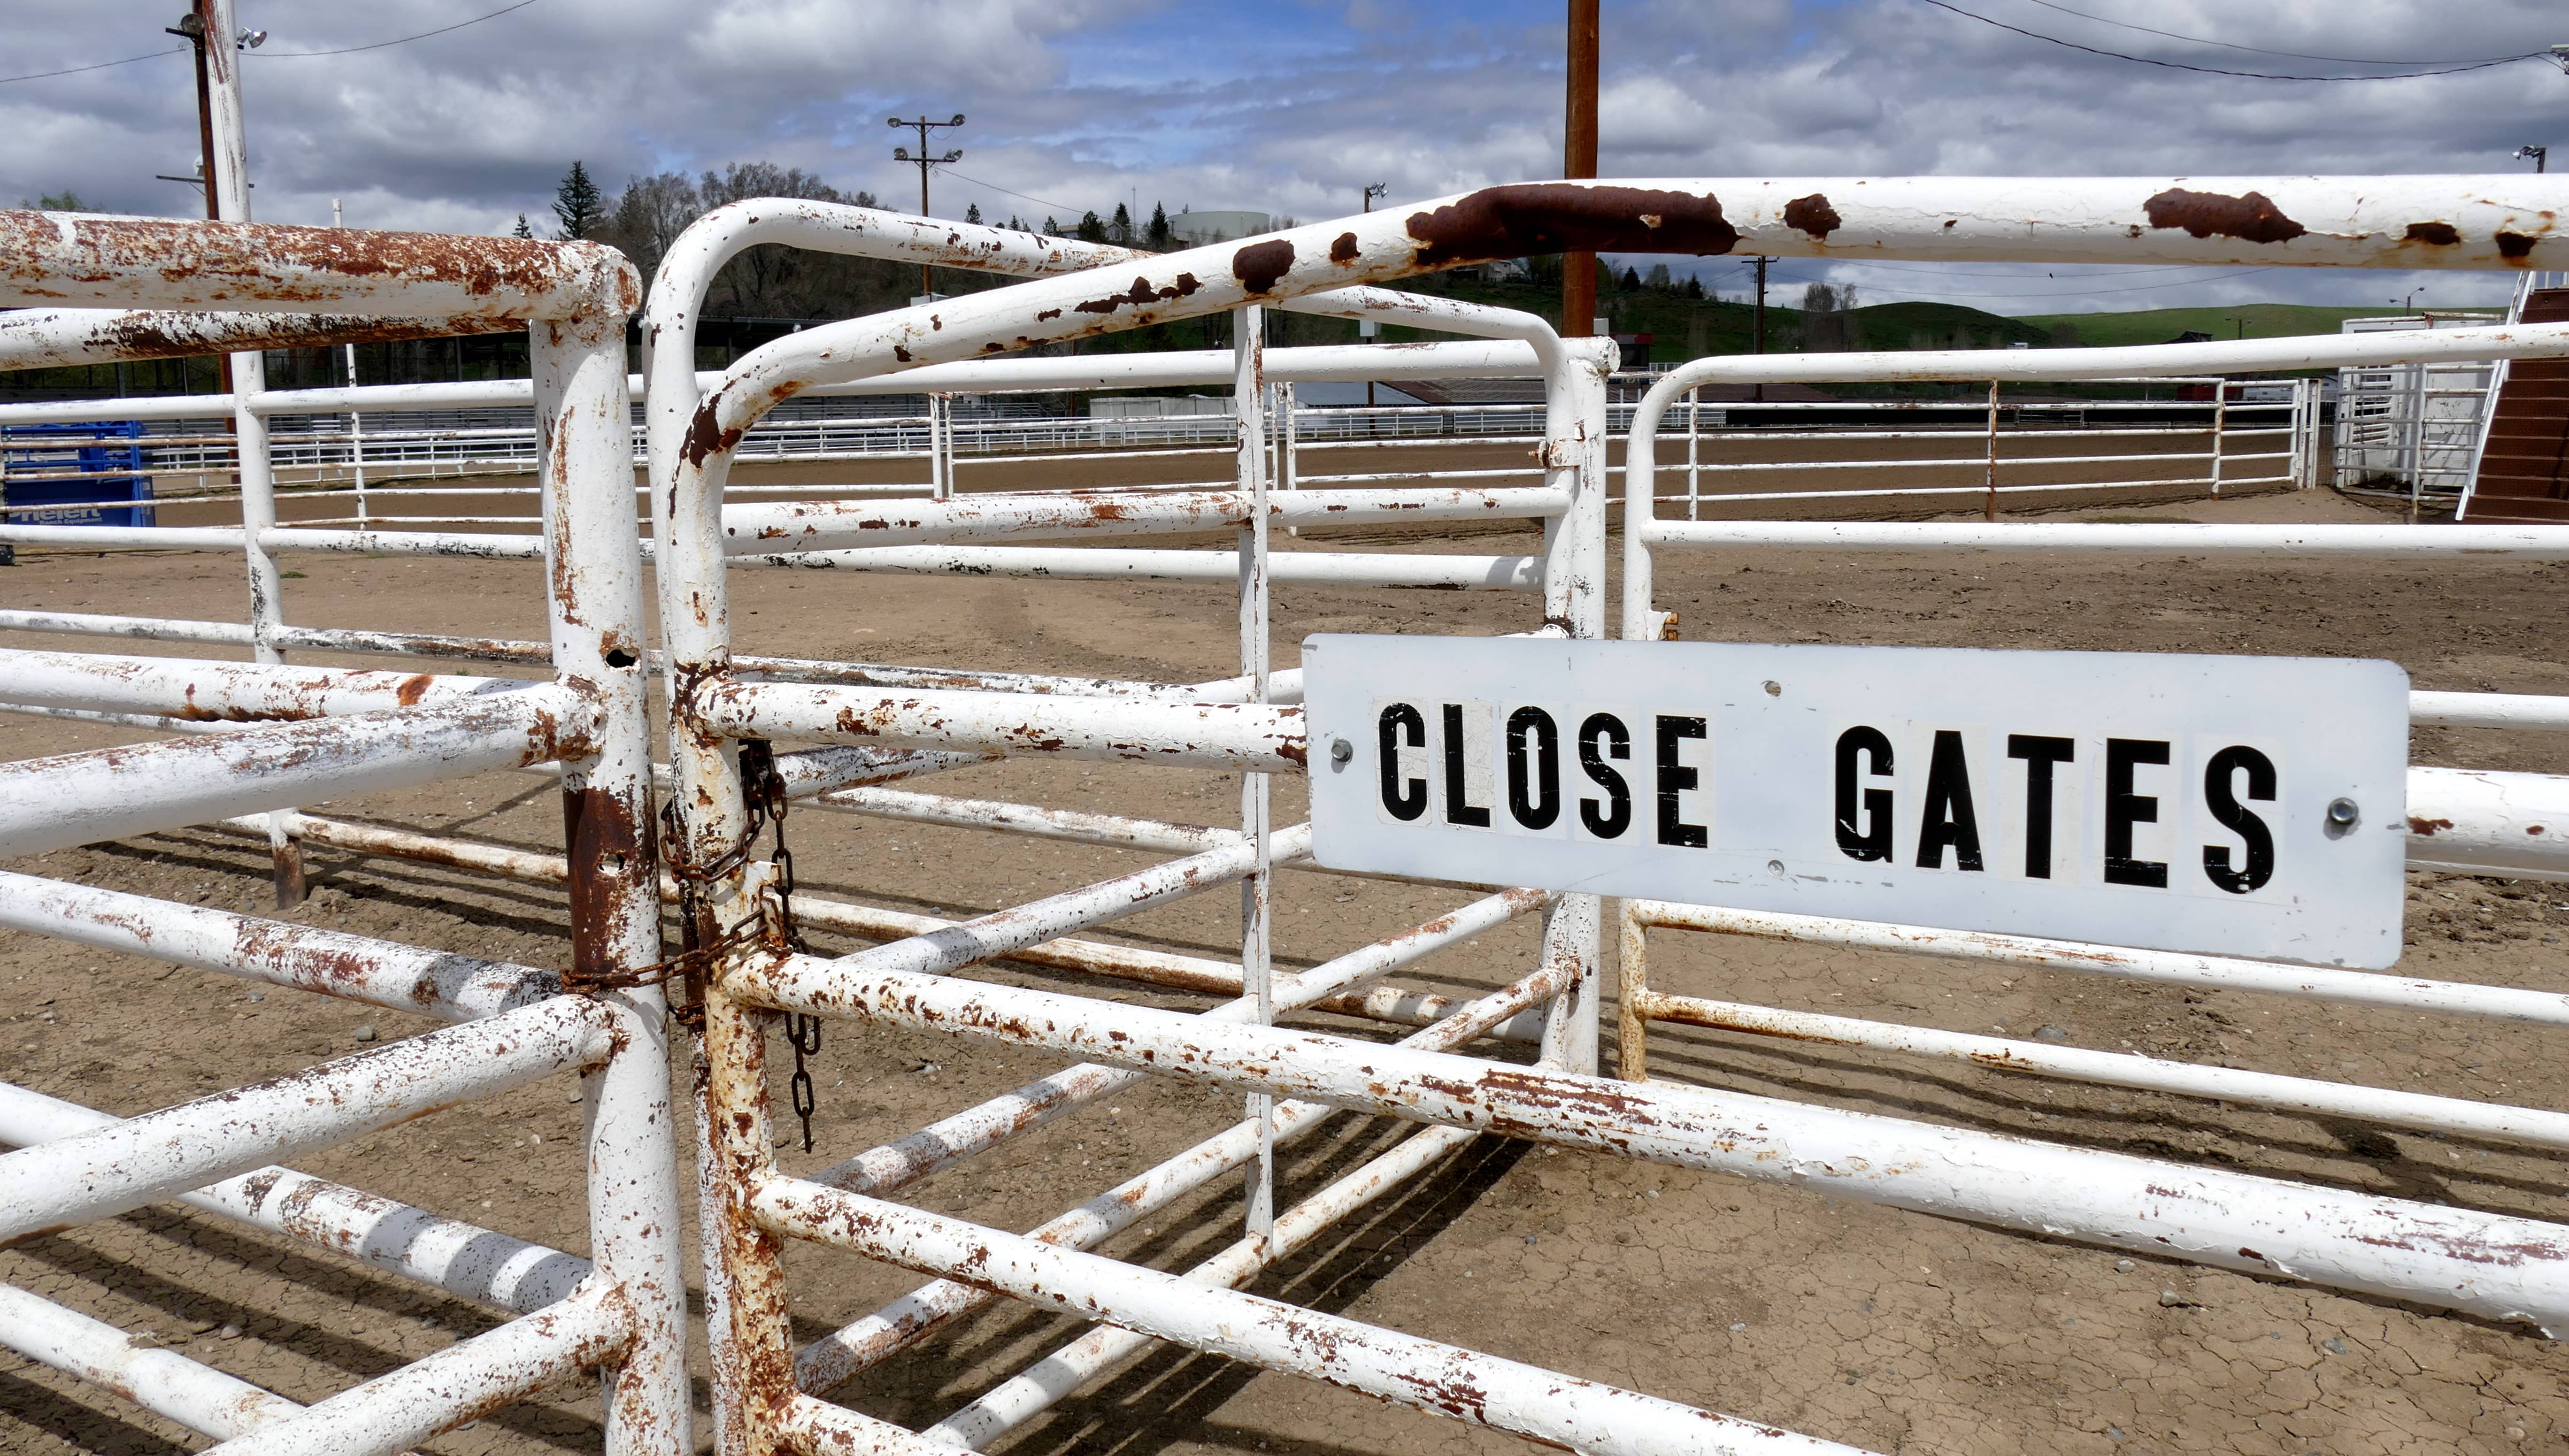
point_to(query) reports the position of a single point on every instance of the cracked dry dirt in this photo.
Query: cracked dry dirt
(1886, 1329)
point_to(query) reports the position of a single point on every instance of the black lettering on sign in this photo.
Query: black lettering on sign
(1603, 736)
(2040, 754)
(1948, 820)
(1870, 839)
(2124, 809)
(1458, 805)
(2220, 795)
(1534, 789)
(1675, 779)
(1400, 725)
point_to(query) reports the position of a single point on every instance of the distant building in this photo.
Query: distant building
(2193, 336)
(1221, 225)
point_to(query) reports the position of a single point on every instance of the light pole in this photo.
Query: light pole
(1368, 328)
(923, 161)
(2541, 156)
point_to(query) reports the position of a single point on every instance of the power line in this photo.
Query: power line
(101, 66)
(2260, 50)
(272, 55)
(2215, 70)
(994, 187)
(405, 40)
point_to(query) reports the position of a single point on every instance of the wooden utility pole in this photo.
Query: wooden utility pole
(1757, 329)
(1579, 160)
(923, 125)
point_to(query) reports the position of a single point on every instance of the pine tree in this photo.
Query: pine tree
(1694, 287)
(522, 229)
(972, 214)
(1090, 229)
(1631, 280)
(1052, 228)
(1121, 229)
(1159, 236)
(577, 205)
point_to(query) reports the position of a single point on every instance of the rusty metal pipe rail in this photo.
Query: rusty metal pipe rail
(2391, 1248)
(2169, 968)
(827, 1361)
(87, 260)
(1260, 737)
(306, 957)
(780, 529)
(469, 1378)
(194, 688)
(2498, 1122)
(161, 1382)
(96, 1175)
(1403, 1369)
(111, 793)
(460, 1259)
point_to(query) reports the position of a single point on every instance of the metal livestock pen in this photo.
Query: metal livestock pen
(741, 974)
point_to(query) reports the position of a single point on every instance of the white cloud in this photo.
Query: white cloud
(1289, 105)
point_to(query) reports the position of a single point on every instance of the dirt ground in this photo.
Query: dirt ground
(1890, 1330)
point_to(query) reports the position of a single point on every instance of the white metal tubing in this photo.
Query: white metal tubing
(1097, 563)
(110, 793)
(596, 618)
(308, 957)
(1253, 736)
(1443, 1379)
(194, 688)
(2528, 1126)
(96, 259)
(2489, 710)
(293, 539)
(827, 1361)
(2354, 987)
(1045, 1383)
(2483, 822)
(816, 1427)
(1640, 489)
(1030, 820)
(2522, 542)
(141, 1160)
(161, 1382)
(2498, 1266)
(943, 1143)
(785, 528)
(472, 1262)
(47, 338)
(463, 1381)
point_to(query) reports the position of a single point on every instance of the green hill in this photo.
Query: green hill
(2160, 325)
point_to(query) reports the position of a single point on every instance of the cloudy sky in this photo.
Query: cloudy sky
(1290, 108)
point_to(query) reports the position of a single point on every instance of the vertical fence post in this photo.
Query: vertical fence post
(582, 417)
(940, 465)
(1257, 892)
(2220, 428)
(1694, 461)
(1573, 600)
(1990, 503)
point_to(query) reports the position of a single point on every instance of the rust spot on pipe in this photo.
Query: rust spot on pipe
(1259, 265)
(1140, 296)
(2441, 234)
(2427, 828)
(2250, 217)
(1531, 218)
(412, 689)
(2514, 247)
(1814, 215)
(706, 437)
(1343, 250)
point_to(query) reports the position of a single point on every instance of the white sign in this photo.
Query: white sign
(2239, 805)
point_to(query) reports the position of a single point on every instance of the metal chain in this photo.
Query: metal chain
(765, 789)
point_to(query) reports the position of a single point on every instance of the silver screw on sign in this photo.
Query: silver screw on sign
(1341, 750)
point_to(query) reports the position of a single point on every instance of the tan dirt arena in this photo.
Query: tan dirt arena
(1891, 1330)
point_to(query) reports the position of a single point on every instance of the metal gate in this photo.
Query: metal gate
(741, 974)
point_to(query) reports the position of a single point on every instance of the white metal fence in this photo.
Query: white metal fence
(318, 734)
